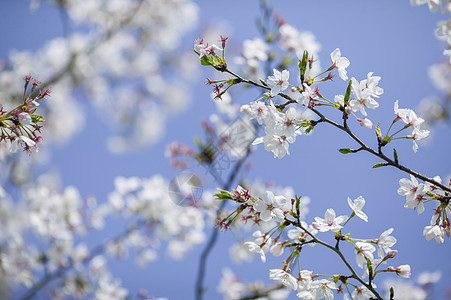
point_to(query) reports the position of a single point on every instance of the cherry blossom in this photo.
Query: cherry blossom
(323, 289)
(357, 207)
(330, 222)
(362, 96)
(268, 207)
(279, 81)
(385, 242)
(256, 109)
(363, 252)
(339, 62)
(285, 277)
(254, 248)
(435, 232)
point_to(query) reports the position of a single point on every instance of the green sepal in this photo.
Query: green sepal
(386, 140)
(223, 195)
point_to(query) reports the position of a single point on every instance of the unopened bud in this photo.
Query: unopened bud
(348, 110)
(391, 254)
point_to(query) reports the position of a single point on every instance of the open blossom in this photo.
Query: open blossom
(256, 110)
(330, 222)
(286, 278)
(323, 289)
(418, 134)
(279, 81)
(385, 242)
(24, 119)
(205, 49)
(409, 188)
(401, 113)
(357, 207)
(435, 232)
(409, 117)
(254, 248)
(307, 95)
(360, 293)
(269, 207)
(362, 252)
(339, 62)
(362, 96)
(22, 140)
(371, 84)
(414, 193)
(277, 249)
(275, 141)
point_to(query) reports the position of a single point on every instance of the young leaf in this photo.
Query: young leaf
(345, 150)
(206, 61)
(348, 93)
(379, 165)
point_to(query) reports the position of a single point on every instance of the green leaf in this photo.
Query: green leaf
(345, 150)
(298, 203)
(348, 93)
(303, 63)
(395, 155)
(223, 195)
(206, 61)
(379, 165)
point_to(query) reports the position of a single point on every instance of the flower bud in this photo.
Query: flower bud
(390, 254)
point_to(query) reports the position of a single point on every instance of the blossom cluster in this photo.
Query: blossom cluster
(286, 232)
(417, 194)
(20, 125)
(278, 111)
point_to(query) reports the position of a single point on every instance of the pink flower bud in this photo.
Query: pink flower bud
(366, 123)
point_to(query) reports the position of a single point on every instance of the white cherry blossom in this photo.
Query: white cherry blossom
(435, 232)
(357, 207)
(279, 81)
(339, 62)
(385, 242)
(330, 222)
(286, 278)
(269, 207)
